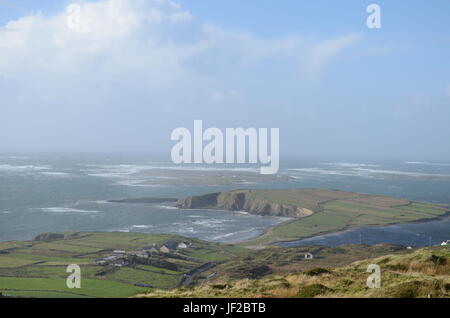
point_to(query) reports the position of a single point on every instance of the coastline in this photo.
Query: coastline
(267, 230)
(336, 231)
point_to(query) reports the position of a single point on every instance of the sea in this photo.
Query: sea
(71, 192)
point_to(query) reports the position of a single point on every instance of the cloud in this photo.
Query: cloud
(321, 54)
(159, 29)
(133, 66)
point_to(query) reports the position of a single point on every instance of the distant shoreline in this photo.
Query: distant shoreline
(341, 231)
(142, 200)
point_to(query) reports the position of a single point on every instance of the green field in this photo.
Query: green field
(38, 268)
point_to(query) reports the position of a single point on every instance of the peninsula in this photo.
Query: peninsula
(314, 211)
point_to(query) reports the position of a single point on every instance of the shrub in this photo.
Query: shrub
(407, 290)
(317, 271)
(345, 283)
(397, 267)
(313, 290)
(438, 260)
(220, 286)
(278, 282)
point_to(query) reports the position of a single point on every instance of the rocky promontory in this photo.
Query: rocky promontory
(242, 200)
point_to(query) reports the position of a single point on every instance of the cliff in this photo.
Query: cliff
(242, 200)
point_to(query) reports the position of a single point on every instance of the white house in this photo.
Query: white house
(309, 256)
(182, 245)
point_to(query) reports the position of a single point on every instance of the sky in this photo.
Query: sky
(134, 70)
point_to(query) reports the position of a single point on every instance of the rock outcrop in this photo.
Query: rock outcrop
(242, 200)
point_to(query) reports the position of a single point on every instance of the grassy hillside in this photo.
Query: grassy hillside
(421, 273)
(38, 268)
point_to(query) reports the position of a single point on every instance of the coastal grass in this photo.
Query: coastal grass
(278, 260)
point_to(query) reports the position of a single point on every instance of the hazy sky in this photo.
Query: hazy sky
(136, 69)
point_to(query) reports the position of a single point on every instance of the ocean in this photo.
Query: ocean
(54, 193)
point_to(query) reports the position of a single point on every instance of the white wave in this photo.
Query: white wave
(427, 163)
(100, 202)
(241, 212)
(365, 172)
(8, 167)
(112, 171)
(127, 169)
(126, 230)
(349, 164)
(5, 212)
(402, 173)
(106, 175)
(165, 178)
(220, 237)
(211, 223)
(136, 183)
(166, 207)
(142, 226)
(324, 171)
(56, 174)
(67, 210)
(202, 168)
(228, 235)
